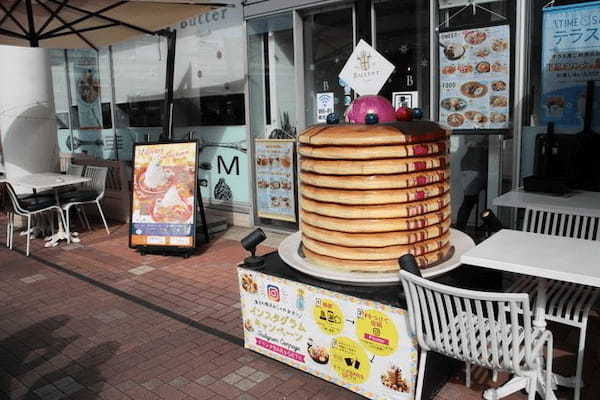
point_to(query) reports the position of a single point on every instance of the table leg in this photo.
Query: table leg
(61, 234)
(539, 320)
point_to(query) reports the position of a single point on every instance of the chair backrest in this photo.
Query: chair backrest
(556, 223)
(75, 169)
(482, 328)
(98, 179)
(9, 201)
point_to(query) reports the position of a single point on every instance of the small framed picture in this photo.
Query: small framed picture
(405, 99)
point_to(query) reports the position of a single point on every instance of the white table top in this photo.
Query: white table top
(47, 180)
(580, 202)
(545, 256)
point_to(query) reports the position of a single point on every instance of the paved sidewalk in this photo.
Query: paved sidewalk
(100, 321)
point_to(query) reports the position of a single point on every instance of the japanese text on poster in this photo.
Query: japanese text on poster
(325, 106)
(164, 190)
(275, 193)
(358, 344)
(87, 89)
(570, 57)
(474, 78)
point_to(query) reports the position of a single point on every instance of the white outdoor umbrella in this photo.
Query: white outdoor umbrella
(68, 24)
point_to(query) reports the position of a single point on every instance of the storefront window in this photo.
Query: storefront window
(328, 43)
(402, 37)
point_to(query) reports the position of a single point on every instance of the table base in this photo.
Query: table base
(518, 383)
(61, 235)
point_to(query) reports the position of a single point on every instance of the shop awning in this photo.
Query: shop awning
(90, 23)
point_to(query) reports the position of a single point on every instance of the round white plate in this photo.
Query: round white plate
(288, 251)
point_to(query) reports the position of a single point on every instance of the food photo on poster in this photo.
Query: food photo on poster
(475, 78)
(164, 195)
(363, 346)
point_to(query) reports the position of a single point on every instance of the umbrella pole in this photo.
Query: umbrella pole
(171, 36)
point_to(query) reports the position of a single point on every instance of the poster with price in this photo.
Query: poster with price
(570, 58)
(275, 192)
(361, 345)
(164, 195)
(474, 78)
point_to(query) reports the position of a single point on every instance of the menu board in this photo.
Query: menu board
(361, 345)
(275, 193)
(164, 195)
(474, 78)
(570, 58)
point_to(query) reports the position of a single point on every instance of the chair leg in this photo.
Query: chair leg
(12, 229)
(28, 234)
(468, 375)
(103, 219)
(549, 355)
(81, 220)
(8, 232)
(64, 223)
(68, 221)
(85, 217)
(421, 374)
(580, 358)
(494, 375)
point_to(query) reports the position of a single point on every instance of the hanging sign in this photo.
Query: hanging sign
(275, 192)
(164, 195)
(474, 78)
(366, 71)
(325, 106)
(361, 345)
(570, 58)
(87, 90)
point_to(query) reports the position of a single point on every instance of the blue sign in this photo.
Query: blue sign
(570, 58)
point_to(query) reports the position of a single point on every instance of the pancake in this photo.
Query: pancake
(398, 181)
(373, 167)
(364, 225)
(369, 135)
(386, 211)
(426, 260)
(374, 253)
(375, 239)
(373, 152)
(382, 196)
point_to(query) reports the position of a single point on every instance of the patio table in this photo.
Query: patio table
(543, 256)
(577, 202)
(54, 181)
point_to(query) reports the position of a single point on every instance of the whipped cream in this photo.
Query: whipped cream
(155, 175)
(172, 198)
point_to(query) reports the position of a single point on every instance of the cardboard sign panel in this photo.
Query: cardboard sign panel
(164, 195)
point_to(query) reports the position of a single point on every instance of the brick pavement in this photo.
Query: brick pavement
(100, 321)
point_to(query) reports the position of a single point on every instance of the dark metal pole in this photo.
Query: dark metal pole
(33, 38)
(171, 36)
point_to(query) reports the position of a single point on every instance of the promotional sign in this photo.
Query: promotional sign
(358, 344)
(275, 192)
(325, 106)
(87, 89)
(570, 57)
(405, 99)
(164, 195)
(474, 78)
(366, 71)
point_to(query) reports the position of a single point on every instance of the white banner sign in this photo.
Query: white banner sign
(361, 345)
(366, 71)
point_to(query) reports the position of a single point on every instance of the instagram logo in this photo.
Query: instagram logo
(273, 293)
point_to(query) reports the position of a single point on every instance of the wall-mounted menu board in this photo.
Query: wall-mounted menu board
(275, 192)
(164, 195)
(474, 78)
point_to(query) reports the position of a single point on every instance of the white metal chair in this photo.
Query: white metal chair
(567, 303)
(25, 209)
(481, 328)
(91, 193)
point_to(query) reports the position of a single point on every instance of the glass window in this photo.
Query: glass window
(328, 43)
(402, 37)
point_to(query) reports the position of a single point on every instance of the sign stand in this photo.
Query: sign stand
(202, 214)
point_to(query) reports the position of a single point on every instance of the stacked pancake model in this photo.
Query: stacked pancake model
(372, 193)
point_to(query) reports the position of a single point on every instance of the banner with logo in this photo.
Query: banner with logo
(87, 89)
(164, 195)
(361, 345)
(275, 189)
(366, 71)
(570, 58)
(475, 78)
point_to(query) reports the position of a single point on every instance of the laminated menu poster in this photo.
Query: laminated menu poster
(570, 58)
(474, 78)
(164, 195)
(275, 193)
(87, 85)
(361, 345)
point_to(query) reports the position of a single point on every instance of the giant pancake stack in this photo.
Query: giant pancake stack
(372, 193)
